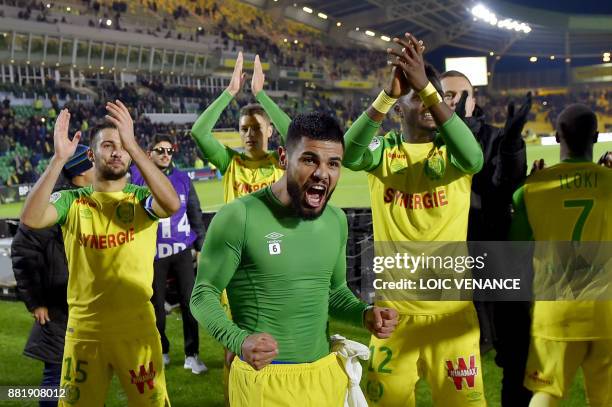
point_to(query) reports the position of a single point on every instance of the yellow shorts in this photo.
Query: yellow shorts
(551, 367)
(89, 364)
(442, 349)
(321, 383)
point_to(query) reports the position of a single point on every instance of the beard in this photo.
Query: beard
(296, 195)
(107, 173)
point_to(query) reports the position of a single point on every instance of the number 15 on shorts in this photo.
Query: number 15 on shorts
(274, 248)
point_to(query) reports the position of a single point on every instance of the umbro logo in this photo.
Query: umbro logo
(274, 235)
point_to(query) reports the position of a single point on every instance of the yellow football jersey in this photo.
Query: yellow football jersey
(244, 176)
(110, 239)
(417, 194)
(570, 201)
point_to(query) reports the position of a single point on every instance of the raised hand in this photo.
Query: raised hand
(410, 61)
(537, 166)
(259, 350)
(399, 85)
(259, 79)
(515, 121)
(63, 146)
(460, 106)
(606, 159)
(119, 115)
(381, 322)
(238, 77)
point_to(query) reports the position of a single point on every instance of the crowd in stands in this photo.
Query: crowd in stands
(549, 105)
(26, 132)
(239, 27)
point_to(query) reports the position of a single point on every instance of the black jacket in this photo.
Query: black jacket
(194, 215)
(41, 271)
(503, 171)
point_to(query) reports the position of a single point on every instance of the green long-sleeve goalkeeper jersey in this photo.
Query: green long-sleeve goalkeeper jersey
(283, 275)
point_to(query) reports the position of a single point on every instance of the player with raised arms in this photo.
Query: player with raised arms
(110, 233)
(420, 181)
(256, 167)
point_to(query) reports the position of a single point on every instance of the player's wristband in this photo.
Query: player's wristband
(430, 96)
(383, 102)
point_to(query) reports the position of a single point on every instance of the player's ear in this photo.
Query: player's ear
(282, 157)
(557, 137)
(398, 110)
(90, 155)
(595, 137)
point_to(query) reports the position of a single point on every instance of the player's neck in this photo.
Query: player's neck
(106, 185)
(565, 154)
(279, 189)
(415, 135)
(256, 155)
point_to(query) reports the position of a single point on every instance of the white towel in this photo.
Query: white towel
(350, 352)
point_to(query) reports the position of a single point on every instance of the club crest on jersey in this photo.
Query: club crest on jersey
(274, 243)
(125, 212)
(143, 377)
(462, 371)
(435, 166)
(265, 171)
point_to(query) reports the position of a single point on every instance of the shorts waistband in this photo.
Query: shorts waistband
(287, 367)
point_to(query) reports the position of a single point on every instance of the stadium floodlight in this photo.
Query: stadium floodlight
(307, 9)
(552, 57)
(480, 12)
(568, 60)
(285, 40)
(356, 28)
(385, 38)
(28, 62)
(109, 22)
(606, 54)
(491, 53)
(338, 24)
(370, 33)
(322, 15)
(68, 9)
(606, 59)
(295, 41)
(12, 61)
(533, 59)
(48, 5)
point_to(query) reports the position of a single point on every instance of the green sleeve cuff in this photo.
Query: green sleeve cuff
(345, 306)
(357, 155)
(464, 150)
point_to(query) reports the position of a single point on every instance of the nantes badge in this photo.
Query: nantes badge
(125, 212)
(435, 166)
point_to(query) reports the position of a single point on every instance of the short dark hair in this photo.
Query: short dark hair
(315, 126)
(96, 130)
(577, 125)
(158, 138)
(252, 109)
(456, 74)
